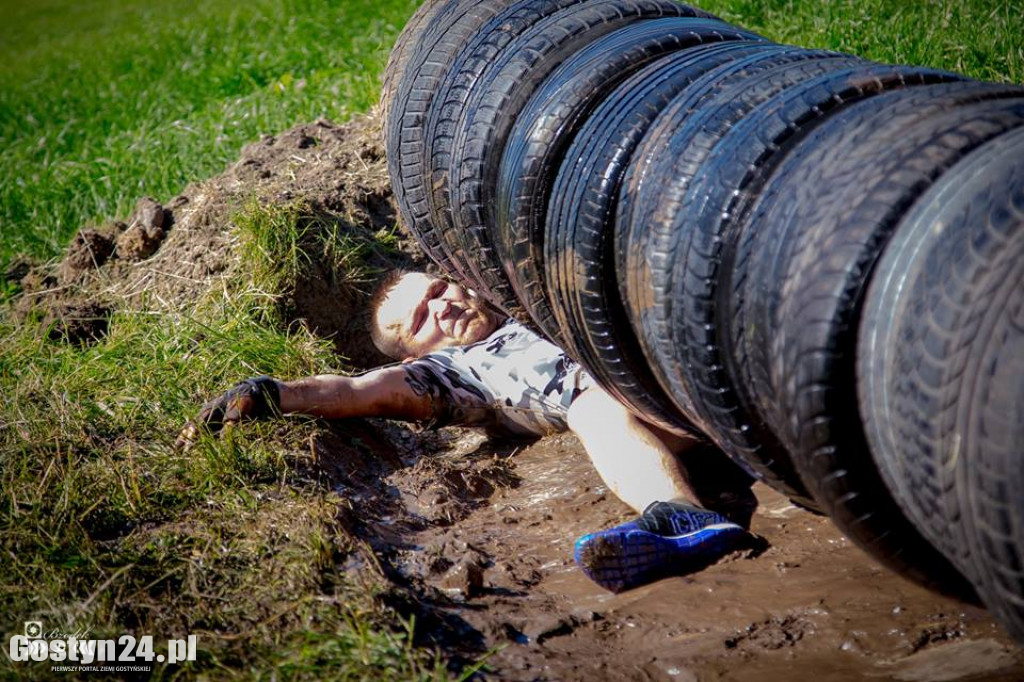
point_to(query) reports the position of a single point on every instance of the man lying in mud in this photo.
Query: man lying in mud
(463, 363)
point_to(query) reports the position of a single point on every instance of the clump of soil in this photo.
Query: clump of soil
(76, 323)
(89, 250)
(166, 256)
(140, 240)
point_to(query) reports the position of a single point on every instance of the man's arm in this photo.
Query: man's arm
(380, 393)
(383, 392)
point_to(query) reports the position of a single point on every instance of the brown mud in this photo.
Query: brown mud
(811, 606)
(475, 537)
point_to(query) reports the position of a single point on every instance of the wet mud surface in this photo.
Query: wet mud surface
(496, 575)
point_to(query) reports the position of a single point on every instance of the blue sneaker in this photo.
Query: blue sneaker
(670, 538)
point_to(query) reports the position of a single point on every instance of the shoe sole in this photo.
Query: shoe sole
(622, 560)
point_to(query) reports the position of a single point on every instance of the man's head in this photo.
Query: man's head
(413, 313)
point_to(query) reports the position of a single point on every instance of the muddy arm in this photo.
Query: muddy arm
(380, 393)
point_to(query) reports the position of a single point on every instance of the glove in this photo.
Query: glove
(255, 398)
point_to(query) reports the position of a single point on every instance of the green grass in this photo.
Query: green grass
(106, 525)
(280, 243)
(983, 39)
(102, 103)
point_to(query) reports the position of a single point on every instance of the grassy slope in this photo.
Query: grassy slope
(105, 102)
(101, 103)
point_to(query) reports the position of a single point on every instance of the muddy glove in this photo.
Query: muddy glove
(255, 398)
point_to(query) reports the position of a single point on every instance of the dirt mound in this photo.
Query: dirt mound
(166, 256)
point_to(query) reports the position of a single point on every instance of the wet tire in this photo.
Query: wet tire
(701, 253)
(447, 107)
(604, 148)
(940, 370)
(823, 218)
(399, 56)
(450, 28)
(491, 111)
(546, 127)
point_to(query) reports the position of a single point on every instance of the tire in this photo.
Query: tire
(491, 111)
(940, 370)
(701, 241)
(721, 198)
(643, 188)
(614, 126)
(586, 196)
(548, 124)
(579, 236)
(451, 26)
(995, 437)
(399, 56)
(840, 193)
(425, 166)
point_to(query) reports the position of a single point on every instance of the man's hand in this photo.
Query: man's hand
(255, 398)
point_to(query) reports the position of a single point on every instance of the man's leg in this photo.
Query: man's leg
(633, 462)
(674, 534)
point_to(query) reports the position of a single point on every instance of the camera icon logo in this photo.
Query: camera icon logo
(33, 629)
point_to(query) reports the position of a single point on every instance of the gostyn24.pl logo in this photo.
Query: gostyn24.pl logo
(38, 645)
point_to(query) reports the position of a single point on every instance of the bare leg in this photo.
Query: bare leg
(634, 463)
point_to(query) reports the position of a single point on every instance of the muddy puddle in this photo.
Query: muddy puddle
(498, 577)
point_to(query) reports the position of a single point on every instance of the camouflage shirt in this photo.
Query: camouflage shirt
(511, 383)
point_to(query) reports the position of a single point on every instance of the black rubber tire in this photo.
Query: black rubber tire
(448, 104)
(643, 188)
(450, 27)
(699, 249)
(580, 260)
(491, 111)
(546, 127)
(732, 178)
(940, 370)
(995, 436)
(399, 56)
(839, 194)
(579, 234)
(769, 234)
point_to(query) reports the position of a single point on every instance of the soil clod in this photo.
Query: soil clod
(79, 324)
(145, 232)
(465, 579)
(89, 250)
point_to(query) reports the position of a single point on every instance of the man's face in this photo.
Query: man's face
(424, 313)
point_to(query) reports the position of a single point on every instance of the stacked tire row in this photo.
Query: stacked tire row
(812, 259)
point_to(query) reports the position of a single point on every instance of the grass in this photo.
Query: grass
(983, 39)
(280, 242)
(102, 522)
(102, 103)
(106, 525)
